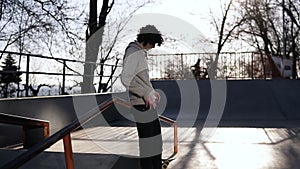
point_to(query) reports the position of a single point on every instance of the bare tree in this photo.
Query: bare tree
(225, 28)
(33, 24)
(95, 46)
(291, 9)
(270, 32)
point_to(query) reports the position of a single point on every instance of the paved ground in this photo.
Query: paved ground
(209, 148)
(247, 148)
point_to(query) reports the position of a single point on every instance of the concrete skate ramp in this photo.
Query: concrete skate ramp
(248, 103)
(257, 103)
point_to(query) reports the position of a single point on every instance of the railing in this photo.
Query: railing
(28, 125)
(231, 65)
(65, 134)
(25, 61)
(172, 122)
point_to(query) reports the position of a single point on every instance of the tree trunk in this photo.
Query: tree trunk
(94, 40)
(294, 66)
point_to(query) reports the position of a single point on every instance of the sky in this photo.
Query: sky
(187, 21)
(196, 12)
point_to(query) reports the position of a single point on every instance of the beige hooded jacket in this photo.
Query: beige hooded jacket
(135, 74)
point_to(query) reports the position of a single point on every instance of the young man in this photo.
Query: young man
(135, 78)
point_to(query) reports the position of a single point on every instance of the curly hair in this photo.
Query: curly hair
(149, 34)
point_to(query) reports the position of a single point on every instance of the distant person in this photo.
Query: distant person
(196, 69)
(198, 72)
(143, 97)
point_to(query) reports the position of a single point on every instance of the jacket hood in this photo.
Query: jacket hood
(133, 47)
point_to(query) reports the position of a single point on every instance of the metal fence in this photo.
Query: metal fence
(231, 65)
(39, 69)
(243, 65)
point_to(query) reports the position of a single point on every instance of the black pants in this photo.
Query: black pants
(150, 139)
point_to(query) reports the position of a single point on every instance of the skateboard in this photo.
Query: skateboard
(166, 162)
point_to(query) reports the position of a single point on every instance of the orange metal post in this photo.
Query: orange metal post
(46, 130)
(170, 121)
(175, 139)
(68, 151)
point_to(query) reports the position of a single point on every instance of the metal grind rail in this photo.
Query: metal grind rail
(65, 134)
(28, 125)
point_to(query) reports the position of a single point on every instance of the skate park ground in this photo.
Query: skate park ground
(228, 148)
(259, 129)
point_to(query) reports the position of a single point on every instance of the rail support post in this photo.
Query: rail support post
(68, 151)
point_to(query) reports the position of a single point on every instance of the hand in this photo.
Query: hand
(152, 98)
